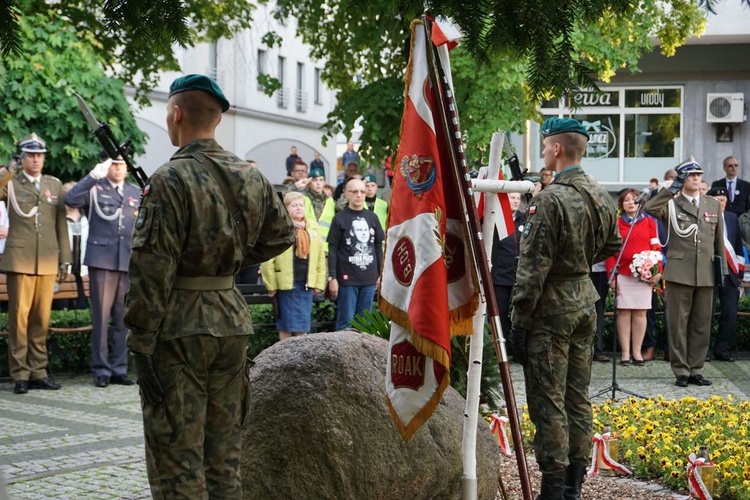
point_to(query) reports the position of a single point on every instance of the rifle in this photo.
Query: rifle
(516, 174)
(107, 139)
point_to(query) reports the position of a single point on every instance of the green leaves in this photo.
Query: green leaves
(39, 98)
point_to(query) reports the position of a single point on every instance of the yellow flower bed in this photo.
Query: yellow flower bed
(657, 435)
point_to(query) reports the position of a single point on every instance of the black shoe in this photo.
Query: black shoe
(101, 381)
(727, 357)
(121, 380)
(44, 383)
(698, 380)
(602, 358)
(21, 387)
(682, 381)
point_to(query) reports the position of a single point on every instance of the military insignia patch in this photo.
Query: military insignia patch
(146, 189)
(141, 217)
(527, 229)
(532, 209)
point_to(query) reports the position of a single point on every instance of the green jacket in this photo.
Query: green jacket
(570, 225)
(184, 230)
(277, 272)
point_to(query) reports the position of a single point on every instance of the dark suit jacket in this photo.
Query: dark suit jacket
(741, 202)
(732, 233)
(36, 245)
(505, 255)
(109, 242)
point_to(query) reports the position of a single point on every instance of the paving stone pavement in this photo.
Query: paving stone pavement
(83, 442)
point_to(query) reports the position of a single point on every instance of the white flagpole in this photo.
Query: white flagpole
(474, 376)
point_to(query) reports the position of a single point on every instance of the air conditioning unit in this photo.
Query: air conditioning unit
(725, 108)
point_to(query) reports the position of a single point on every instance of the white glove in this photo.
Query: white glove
(101, 170)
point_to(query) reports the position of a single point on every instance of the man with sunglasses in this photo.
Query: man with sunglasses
(738, 190)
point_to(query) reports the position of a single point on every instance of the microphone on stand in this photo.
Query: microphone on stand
(643, 196)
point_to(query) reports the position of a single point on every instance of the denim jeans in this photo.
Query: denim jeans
(352, 301)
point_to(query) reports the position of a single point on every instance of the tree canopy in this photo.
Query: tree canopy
(38, 96)
(515, 53)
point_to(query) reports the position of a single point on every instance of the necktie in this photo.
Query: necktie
(37, 186)
(695, 203)
(731, 191)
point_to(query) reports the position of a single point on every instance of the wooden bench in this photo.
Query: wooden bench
(68, 289)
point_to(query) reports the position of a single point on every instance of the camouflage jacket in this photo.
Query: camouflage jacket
(184, 229)
(570, 225)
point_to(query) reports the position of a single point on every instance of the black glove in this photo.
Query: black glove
(518, 343)
(151, 390)
(677, 183)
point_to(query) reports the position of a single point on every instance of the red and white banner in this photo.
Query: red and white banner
(735, 262)
(429, 284)
(601, 453)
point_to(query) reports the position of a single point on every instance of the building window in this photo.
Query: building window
(282, 95)
(317, 90)
(634, 133)
(262, 63)
(300, 96)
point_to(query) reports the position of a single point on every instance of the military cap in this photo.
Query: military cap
(32, 144)
(717, 191)
(554, 125)
(315, 173)
(369, 178)
(199, 82)
(689, 167)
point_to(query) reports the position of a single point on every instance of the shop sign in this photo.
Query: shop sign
(596, 98)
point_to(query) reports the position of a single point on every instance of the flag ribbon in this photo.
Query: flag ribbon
(499, 428)
(601, 452)
(697, 486)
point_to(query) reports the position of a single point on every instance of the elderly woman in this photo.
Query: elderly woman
(292, 276)
(633, 295)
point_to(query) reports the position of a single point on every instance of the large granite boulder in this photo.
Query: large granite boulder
(319, 427)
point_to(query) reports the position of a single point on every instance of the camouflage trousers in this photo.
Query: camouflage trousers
(557, 374)
(193, 441)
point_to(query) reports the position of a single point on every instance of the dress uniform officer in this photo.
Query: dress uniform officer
(204, 215)
(696, 235)
(112, 205)
(570, 225)
(37, 252)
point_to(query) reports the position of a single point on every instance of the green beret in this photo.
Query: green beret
(316, 172)
(199, 82)
(369, 178)
(553, 126)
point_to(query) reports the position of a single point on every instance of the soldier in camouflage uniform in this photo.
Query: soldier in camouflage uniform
(569, 226)
(204, 215)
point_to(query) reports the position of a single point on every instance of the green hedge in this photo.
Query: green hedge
(742, 337)
(71, 352)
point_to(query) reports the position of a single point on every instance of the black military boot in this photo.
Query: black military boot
(553, 486)
(573, 481)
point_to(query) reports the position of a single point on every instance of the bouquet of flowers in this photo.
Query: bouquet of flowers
(645, 265)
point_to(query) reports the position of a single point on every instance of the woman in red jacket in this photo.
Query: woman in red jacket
(633, 293)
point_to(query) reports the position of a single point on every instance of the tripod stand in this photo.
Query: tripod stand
(613, 278)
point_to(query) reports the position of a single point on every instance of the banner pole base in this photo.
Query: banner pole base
(468, 488)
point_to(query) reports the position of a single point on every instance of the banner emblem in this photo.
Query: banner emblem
(419, 172)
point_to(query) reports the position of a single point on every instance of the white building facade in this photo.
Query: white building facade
(257, 127)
